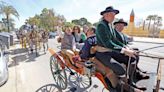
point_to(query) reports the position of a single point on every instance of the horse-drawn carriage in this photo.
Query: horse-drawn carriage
(83, 72)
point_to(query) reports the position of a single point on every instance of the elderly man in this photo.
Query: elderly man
(119, 26)
(107, 44)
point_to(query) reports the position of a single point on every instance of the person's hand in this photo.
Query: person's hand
(136, 52)
(127, 47)
(130, 53)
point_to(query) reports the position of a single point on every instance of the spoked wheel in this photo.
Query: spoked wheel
(49, 88)
(81, 81)
(58, 73)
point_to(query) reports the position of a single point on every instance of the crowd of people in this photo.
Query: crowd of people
(111, 50)
(32, 39)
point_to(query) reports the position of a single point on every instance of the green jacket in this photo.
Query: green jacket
(106, 38)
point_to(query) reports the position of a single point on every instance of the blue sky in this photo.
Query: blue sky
(90, 9)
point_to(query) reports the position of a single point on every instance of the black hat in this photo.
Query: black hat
(110, 9)
(121, 21)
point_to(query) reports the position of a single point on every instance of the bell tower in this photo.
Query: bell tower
(132, 16)
(131, 22)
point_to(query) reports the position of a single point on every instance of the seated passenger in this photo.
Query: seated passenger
(79, 37)
(119, 26)
(68, 43)
(88, 43)
(84, 53)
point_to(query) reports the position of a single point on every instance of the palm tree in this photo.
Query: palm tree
(159, 21)
(8, 10)
(154, 18)
(149, 18)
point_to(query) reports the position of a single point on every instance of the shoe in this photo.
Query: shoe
(131, 88)
(138, 87)
(138, 90)
(140, 76)
(142, 71)
(135, 86)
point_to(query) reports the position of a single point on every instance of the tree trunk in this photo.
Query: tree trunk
(154, 31)
(149, 24)
(144, 25)
(157, 29)
(8, 27)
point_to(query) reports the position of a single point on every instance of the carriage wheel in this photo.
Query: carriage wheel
(49, 88)
(81, 81)
(58, 73)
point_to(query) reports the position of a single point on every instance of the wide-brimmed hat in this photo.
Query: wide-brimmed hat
(109, 9)
(121, 21)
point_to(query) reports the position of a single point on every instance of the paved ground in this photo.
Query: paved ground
(28, 73)
(150, 64)
(149, 40)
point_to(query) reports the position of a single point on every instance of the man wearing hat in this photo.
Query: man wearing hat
(107, 43)
(119, 26)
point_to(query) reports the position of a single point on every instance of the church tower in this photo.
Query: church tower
(132, 16)
(131, 22)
